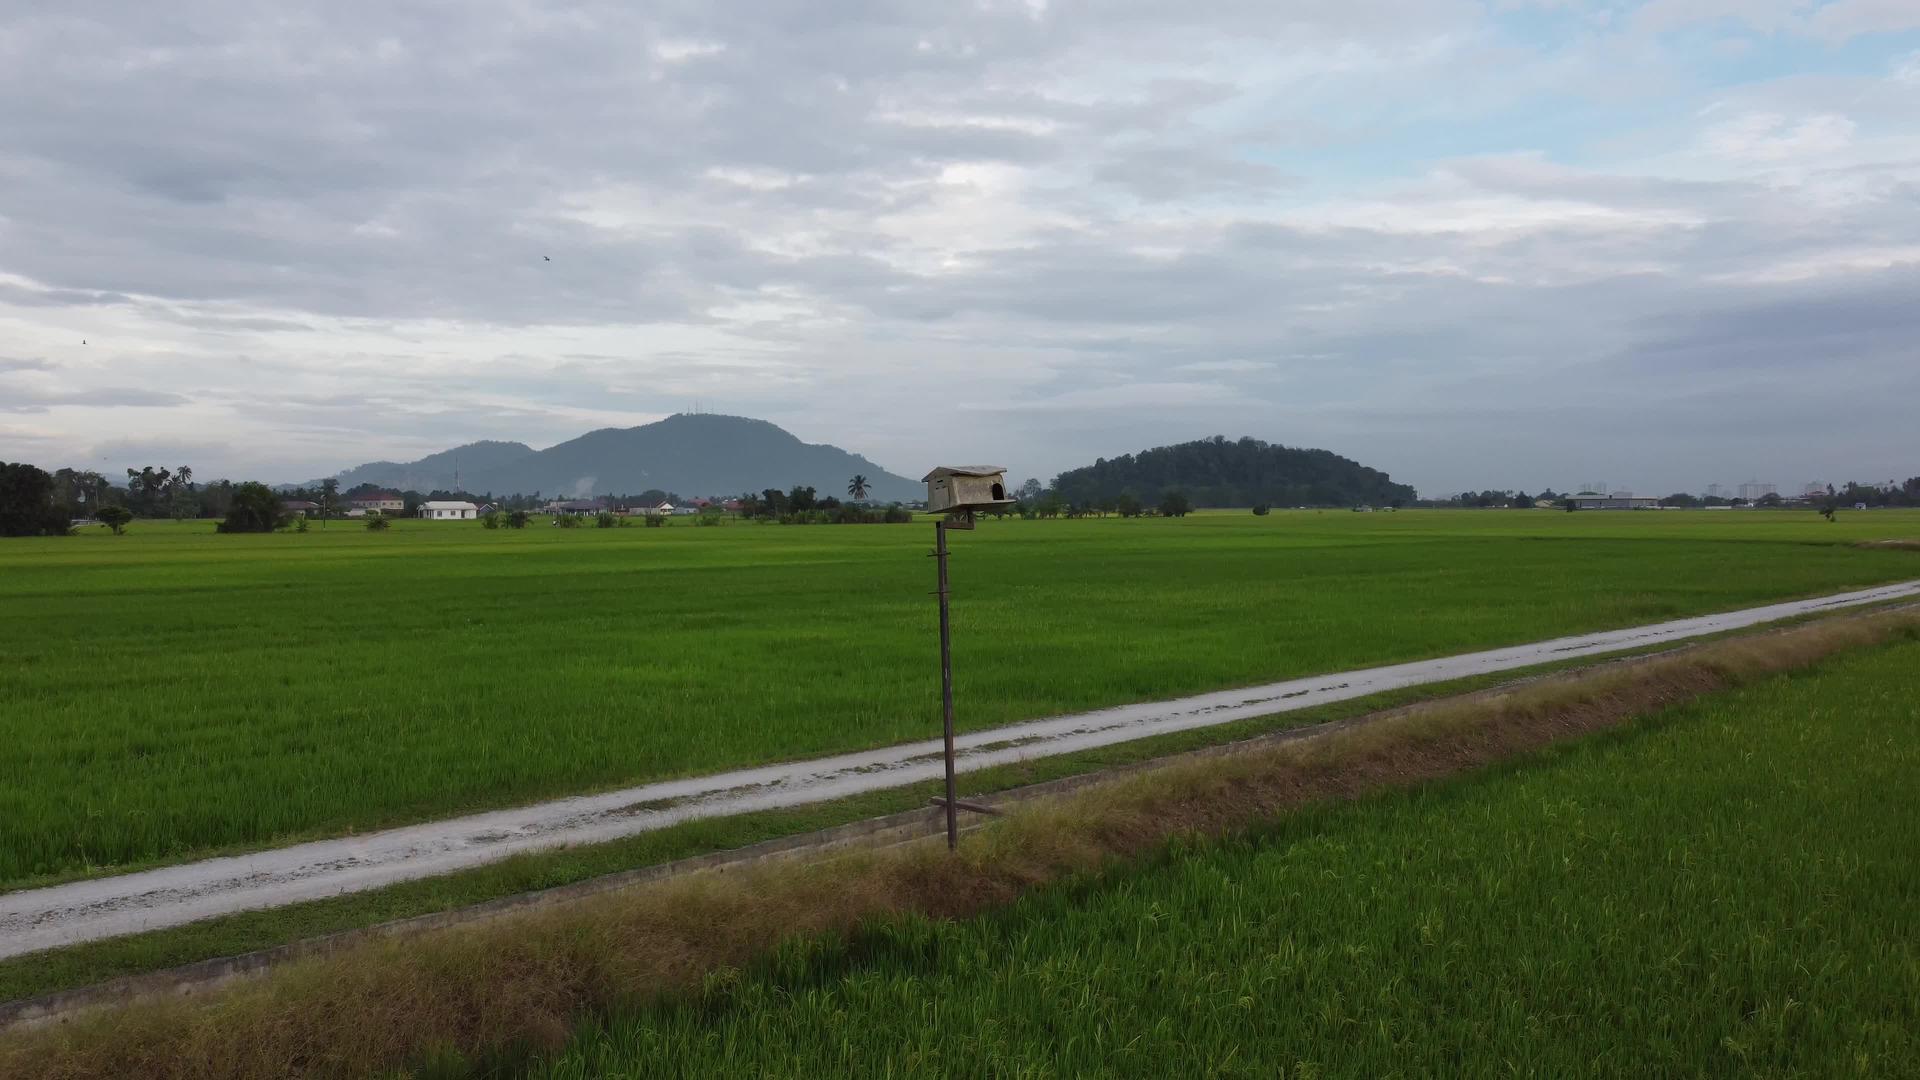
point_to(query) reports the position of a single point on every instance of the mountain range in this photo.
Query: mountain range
(688, 454)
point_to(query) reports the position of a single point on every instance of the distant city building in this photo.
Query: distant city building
(1814, 489)
(1754, 490)
(1621, 501)
(1718, 491)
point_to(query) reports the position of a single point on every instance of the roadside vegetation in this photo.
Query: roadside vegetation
(275, 687)
(1726, 890)
(1725, 882)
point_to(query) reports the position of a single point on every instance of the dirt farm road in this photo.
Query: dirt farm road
(36, 919)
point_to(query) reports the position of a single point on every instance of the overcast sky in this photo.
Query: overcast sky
(1509, 244)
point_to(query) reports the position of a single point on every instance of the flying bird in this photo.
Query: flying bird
(546, 258)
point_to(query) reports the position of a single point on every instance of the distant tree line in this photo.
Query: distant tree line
(1907, 494)
(1031, 500)
(1491, 499)
(1166, 481)
(1853, 494)
(329, 495)
(802, 505)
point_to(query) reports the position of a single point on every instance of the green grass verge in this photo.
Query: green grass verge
(1725, 888)
(173, 693)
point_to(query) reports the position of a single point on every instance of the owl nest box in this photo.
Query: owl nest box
(953, 488)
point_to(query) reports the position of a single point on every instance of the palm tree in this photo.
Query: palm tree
(857, 487)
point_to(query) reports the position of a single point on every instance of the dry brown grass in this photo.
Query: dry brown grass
(522, 980)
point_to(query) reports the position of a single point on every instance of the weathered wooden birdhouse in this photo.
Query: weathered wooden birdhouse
(966, 487)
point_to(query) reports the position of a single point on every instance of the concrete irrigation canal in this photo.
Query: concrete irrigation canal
(35, 919)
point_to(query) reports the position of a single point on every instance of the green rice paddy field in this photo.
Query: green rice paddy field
(174, 692)
(1725, 889)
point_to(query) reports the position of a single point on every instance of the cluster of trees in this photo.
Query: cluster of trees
(1033, 501)
(163, 492)
(1491, 499)
(150, 492)
(803, 505)
(506, 519)
(81, 492)
(255, 508)
(1906, 494)
(1686, 501)
(27, 506)
(34, 502)
(1223, 472)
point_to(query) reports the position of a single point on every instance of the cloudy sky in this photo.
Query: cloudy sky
(1511, 244)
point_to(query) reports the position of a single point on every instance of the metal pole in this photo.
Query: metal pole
(946, 680)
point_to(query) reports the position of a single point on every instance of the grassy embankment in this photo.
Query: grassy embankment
(1729, 889)
(173, 693)
(1642, 902)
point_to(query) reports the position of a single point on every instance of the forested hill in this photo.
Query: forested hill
(703, 454)
(1219, 472)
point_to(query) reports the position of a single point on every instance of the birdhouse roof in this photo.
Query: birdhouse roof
(964, 470)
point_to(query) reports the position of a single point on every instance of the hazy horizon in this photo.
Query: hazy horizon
(1512, 244)
(1590, 483)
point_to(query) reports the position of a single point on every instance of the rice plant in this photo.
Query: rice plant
(174, 692)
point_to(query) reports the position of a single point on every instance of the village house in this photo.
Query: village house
(449, 511)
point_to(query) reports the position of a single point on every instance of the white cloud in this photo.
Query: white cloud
(1768, 138)
(1841, 20)
(1907, 71)
(1766, 16)
(1833, 20)
(673, 51)
(1124, 397)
